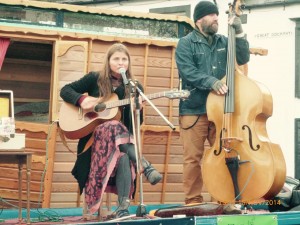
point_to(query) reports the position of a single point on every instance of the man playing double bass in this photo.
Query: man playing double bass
(201, 58)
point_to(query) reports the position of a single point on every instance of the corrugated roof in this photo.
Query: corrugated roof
(97, 10)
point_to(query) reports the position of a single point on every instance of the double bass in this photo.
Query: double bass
(243, 165)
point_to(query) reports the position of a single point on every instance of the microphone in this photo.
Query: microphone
(122, 71)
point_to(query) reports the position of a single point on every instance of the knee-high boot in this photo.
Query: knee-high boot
(152, 175)
(123, 205)
(123, 183)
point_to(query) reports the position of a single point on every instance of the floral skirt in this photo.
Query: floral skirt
(104, 162)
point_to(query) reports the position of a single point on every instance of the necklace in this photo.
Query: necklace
(115, 82)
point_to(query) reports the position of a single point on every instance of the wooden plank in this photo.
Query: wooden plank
(161, 149)
(67, 197)
(63, 177)
(14, 184)
(137, 60)
(36, 143)
(67, 205)
(153, 120)
(71, 66)
(69, 76)
(35, 128)
(13, 194)
(15, 202)
(159, 62)
(42, 90)
(34, 167)
(65, 187)
(58, 205)
(159, 138)
(63, 167)
(159, 82)
(17, 70)
(97, 58)
(155, 198)
(159, 73)
(156, 158)
(154, 89)
(138, 71)
(12, 173)
(74, 54)
(170, 198)
(165, 102)
(61, 148)
(150, 111)
(157, 51)
(100, 46)
(170, 187)
(31, 134)
(136, 50)
(174, 178)
(65, 157)
(48, 179)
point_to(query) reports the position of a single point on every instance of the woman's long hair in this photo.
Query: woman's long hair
(104, 79)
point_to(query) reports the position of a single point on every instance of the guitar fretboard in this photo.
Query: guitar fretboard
(126, 101)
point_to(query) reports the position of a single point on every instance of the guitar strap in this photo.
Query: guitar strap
(64, 141)
(88, 144)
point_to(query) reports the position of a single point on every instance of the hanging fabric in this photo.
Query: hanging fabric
(4, 43)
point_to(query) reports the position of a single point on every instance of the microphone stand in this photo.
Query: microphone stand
(136, 92)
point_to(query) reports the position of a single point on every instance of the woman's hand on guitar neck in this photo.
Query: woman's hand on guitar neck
(140, 102)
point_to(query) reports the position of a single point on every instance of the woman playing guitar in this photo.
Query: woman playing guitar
(108, 164)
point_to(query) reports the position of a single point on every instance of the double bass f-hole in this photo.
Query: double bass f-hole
(225, 142)
(250, 138)
(221, 140)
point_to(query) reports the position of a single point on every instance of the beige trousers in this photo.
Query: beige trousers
(194, 131)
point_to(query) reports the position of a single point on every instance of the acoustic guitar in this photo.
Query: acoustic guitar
(77, 123)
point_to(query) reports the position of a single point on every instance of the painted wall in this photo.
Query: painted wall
(272, 29)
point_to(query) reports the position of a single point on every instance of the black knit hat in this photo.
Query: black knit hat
(204, 8)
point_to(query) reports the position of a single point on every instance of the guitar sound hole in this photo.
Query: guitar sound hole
(90, 115)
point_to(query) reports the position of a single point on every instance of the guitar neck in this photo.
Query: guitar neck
(126, 101)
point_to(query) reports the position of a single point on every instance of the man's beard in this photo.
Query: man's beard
(209, 29)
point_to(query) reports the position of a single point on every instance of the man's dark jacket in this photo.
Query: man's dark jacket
(200, 65)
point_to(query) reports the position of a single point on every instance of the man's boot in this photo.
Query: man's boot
(231, 209)
(152, 175)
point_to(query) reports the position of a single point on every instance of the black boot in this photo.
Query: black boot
(152, 175)
(122, 209)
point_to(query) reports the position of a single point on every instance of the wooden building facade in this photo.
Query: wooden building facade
(54, 44)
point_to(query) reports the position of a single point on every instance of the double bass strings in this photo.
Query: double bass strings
(229, 97)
